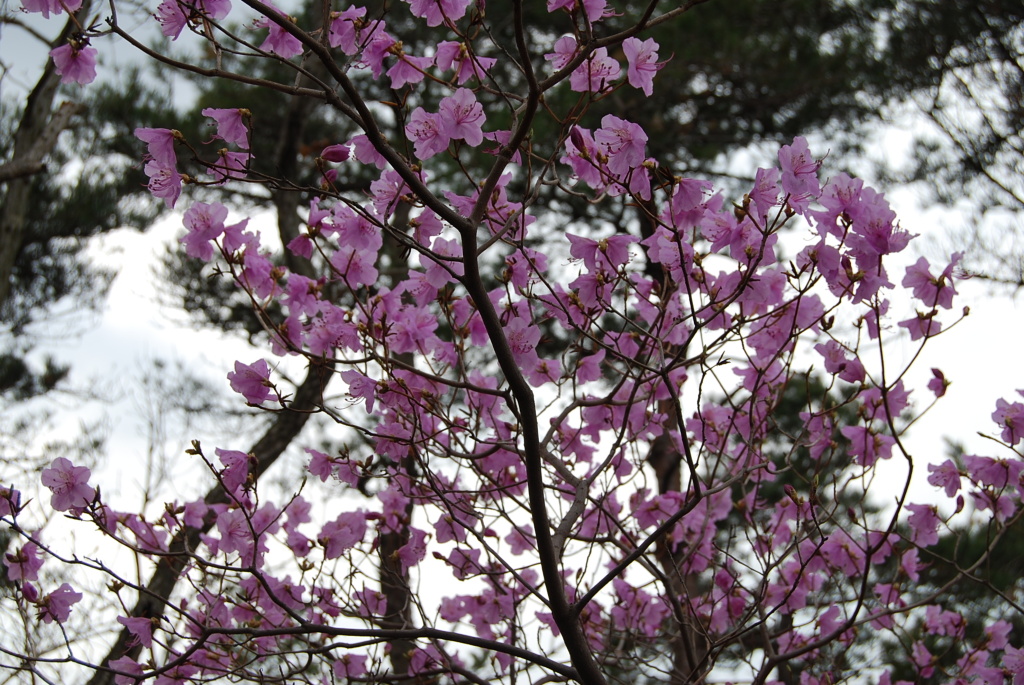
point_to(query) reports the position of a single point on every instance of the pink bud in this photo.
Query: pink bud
(335, 153)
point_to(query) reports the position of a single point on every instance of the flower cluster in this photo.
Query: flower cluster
(560, 425)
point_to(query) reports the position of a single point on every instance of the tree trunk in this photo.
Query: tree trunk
(35, 138)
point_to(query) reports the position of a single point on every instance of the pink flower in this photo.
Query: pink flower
(320, 465)
(624, 141)
(141, 628)
(205, 223)
(278, 41)
(57, 605)
(1011, 418)
(25, 563)
(425, 131)
(361, 386)
(164, 182)
(933, 291)
(924, 524)
(10, 501)
(462, 117)
(172, 18)
(75, 62)
(349, 666)
(867, 447)
(377, 46)
(565, 50)
(946, 476)
(160, 145)
(215, 9)
(48, 7)
(437, 11)
(69, 485)
(938, 383)
(343, 533)
(414, 551)
(799, 171)
(642, 61)
(836, 362)
(252, 381)
(596, 74)
(923, 325)
(231, 125)
(127, 666)
(343, 29)
(232, 165)
(236, 468)
(408, 69)
(451, 53)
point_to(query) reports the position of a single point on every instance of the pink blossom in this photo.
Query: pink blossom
(437, 12)
(342, 33)
(946, 476)
(56, 606)
(866, 446)
(923, 325)
(69, 485)
(129, 668)
(565, 50)
(25, 563)
(597, 73)
(215, 9)
(836, 362)
(343, 533)
(10, 501)
(252, 381)
(408, 69)
(205, 223)
(361, 386)
(377, 47)
(301, 246)
(236, 533)
(467, 65)
(349, 666)
(414, 551)
(1013, 661)
(140, 627)
(236, 468)
(523, 339)
(799, 172)
(278, 40)
(426, 132)
(924, 524)
(48, 7)
(164, 182)
(231, 125)
(642, 60)
(1011, 418)
(932, 291)
(938, 383)
(172, 18)
(461, 117)
(624, 142)
(75, 62)
(160, 143)
(320, 465)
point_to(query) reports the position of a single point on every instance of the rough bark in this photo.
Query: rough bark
(36, 135)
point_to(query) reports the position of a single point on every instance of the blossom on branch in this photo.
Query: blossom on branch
(69, 485)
